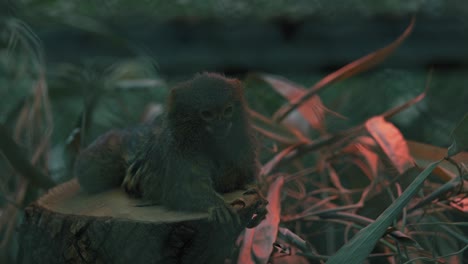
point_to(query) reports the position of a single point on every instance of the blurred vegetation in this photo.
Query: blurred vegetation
(243, 8)
(46, 101)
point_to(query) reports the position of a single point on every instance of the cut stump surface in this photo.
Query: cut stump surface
(68, 226)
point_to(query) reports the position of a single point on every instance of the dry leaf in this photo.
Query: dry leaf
(424, 154)
(312, 110)
(351, 69)
(278, 132)
(403, 238)
(461, 205)
(361, 147)
(391, 141)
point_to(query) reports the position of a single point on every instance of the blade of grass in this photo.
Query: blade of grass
(439, 194)
(362, 244)
(460, 138)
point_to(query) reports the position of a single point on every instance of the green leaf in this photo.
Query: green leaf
(362, 244)
(460, 138)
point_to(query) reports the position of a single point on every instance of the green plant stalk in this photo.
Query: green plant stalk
(362, 244)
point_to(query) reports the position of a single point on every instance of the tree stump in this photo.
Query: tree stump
(67, 226)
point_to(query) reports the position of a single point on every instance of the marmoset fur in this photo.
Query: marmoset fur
(202, 147)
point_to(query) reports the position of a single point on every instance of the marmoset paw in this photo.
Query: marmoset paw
(224, 215)
(253, 210)
(131, 184)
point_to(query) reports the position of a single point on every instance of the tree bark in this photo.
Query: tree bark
(67, 226)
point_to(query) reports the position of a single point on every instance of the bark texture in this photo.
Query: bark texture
(66, 226)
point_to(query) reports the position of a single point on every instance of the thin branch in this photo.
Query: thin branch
(21, 164)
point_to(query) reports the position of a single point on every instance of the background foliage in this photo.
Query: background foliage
(83, 66)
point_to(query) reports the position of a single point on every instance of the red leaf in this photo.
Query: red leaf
(461, 205)
(346, 71)
(364, 167)
(312, 110)
(391, 141)
(371, 158)
(257, 244)
(275, 131)
(268, 167)
(362, 146)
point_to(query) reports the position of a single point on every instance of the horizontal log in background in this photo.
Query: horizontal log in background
(186, 45)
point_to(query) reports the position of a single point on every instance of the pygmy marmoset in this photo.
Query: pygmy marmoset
(202, 147)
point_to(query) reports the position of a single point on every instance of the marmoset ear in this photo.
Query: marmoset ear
(172, 99)
(235, 82)
(237, 87)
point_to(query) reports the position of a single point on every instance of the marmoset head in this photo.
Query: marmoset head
(210, 106)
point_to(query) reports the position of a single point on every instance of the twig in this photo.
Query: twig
(13, 153)
(438, 258)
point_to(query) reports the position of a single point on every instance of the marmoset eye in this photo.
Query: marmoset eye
(228, 111)
(207, 115)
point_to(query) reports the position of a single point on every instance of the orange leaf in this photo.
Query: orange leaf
(391, 141)
(428, 153)
(424, 154)
(371, 158)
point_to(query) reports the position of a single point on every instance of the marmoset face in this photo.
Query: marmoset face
(209, 105)
(218, 120)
